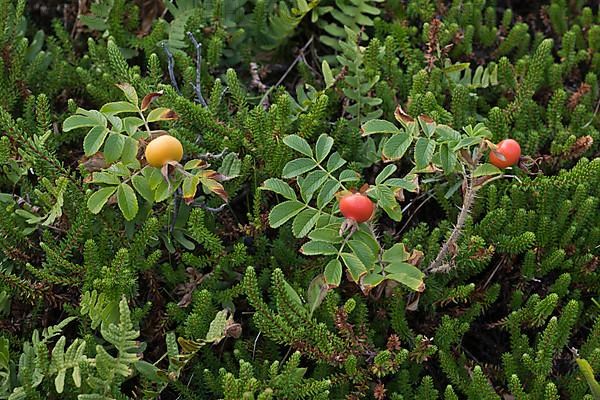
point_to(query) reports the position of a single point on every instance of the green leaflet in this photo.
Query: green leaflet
(355, 266)
(486, 169)
(378, 126)
(299, 144)
(127, 201)
(98, 199)
(297, 167)
(304, 222)
(333, 273)
(280, 187)
(114, 147)
(424, 150)
(94, 139)
(314, 247)
(283, 212)
(406, 274)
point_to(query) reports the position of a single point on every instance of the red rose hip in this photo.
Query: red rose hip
(510, 150)
(357, 207)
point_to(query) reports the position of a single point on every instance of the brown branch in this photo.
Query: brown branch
(468, 200)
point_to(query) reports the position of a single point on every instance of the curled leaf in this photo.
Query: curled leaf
(165, 173)
(489, 144)
(149, 98)
(209, 180)
(416, 256)
(431, 168)
(402, 116)
(217, 176)
(399, 194)
(233, 329)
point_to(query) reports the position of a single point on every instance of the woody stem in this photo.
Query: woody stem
(468, 200)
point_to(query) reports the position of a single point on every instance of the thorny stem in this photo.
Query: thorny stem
(197, 87)
(468, 200)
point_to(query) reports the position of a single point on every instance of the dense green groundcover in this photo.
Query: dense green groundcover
(231, 274)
